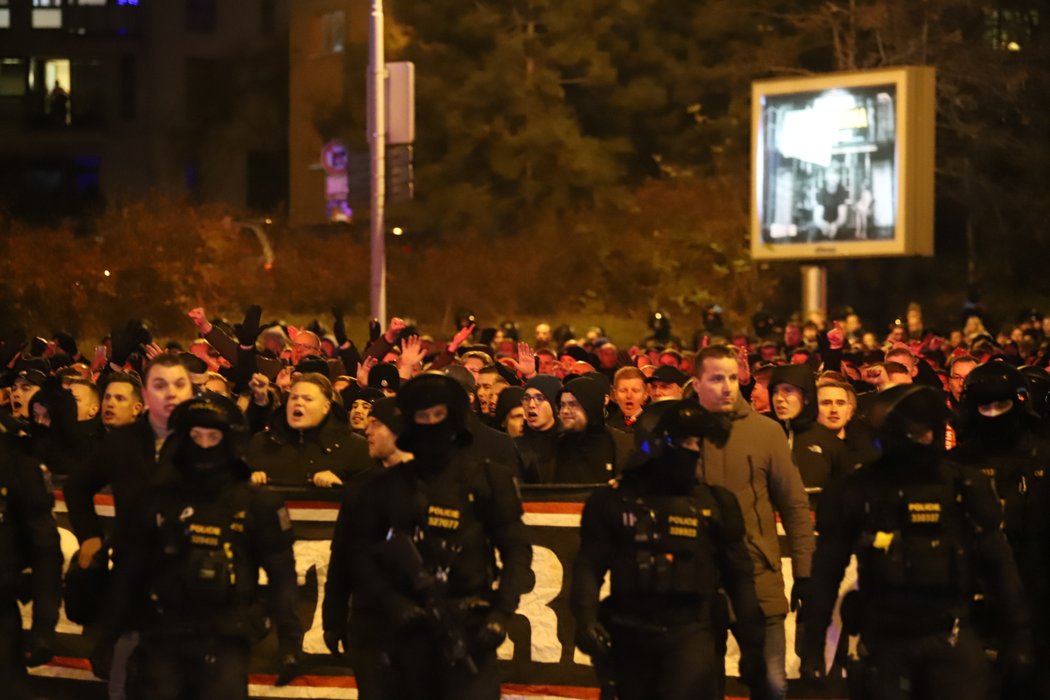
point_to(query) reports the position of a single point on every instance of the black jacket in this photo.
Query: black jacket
(456, 500)
(291, 457)
(28, 537)
(817, 452)
(597, 453)
(128, 462)
(154, 585)
(537, 454)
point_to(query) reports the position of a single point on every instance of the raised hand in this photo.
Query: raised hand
(526, 360)
(200, 319)
(364, 368)
(397, 325)
(836, 336)
(461, 336)
(411, 355)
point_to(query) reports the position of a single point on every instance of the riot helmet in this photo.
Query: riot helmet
(668, 436)
(908, 419)
(1038, 389)
(211, 411)
(991, 385)
(660, 324)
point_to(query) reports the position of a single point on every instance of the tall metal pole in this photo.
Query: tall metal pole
(814, 290)
(377, 150)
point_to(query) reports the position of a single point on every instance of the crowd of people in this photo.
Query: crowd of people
(923, 455)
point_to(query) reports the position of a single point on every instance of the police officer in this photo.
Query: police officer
(670, 544)
(1002, 440)
(191, 577)
(923, 529)
(423, 541)
(28, 539)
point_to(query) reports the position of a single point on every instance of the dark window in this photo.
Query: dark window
(128, 88)
(267, 180)
(266, 16)
(200, 16)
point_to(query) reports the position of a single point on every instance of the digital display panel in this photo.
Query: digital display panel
(843, 169)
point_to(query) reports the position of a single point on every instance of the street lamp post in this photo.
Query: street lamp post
(377, 152)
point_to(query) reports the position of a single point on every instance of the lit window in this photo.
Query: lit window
(92, 3)
(12, 77)
(47, 19)
(5, 18)
(47, 3)
(329, 32)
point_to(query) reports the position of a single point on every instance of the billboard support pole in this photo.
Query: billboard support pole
(814, 290)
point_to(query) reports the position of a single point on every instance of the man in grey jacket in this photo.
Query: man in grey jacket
(756, 465)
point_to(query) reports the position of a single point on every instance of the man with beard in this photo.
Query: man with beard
(587, 451)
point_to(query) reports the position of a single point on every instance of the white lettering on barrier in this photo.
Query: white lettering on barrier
(535, 606)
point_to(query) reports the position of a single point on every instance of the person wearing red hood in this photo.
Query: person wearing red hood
(587, 451)
(819, 455)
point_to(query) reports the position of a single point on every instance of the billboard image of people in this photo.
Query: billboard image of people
(830, 162)
(843, 164)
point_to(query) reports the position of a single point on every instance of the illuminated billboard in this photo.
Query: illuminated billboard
(842, 165)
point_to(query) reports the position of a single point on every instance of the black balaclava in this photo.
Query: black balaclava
(434, 441)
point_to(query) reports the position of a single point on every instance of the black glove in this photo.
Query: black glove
(287, 663)
(374, 330)
(127, 340)
(593, 639)
(753, 671)
(39, 647)
(338, 326)
(798, 593)
(493, 633)
(332, 640)
(67, 343)
(248, 329)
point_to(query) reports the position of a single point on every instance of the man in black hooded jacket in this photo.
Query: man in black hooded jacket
(819, 455)
(587, 451)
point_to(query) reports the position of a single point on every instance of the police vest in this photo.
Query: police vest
(665, 547)
(1022, 488)
(203, 563)
(454, 536)
(917, 538)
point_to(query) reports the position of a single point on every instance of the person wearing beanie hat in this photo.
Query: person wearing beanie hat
(540, 432)
(587, 451)
(193, 567)
(473, 508)
(510, 414)
(385, 377)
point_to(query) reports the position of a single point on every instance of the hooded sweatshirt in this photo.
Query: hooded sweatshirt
(755, 464)
(595, 454)
(817, 452)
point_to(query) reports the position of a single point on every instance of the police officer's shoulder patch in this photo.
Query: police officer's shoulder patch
(283, 519)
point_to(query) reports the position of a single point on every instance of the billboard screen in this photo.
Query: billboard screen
(843, 165)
